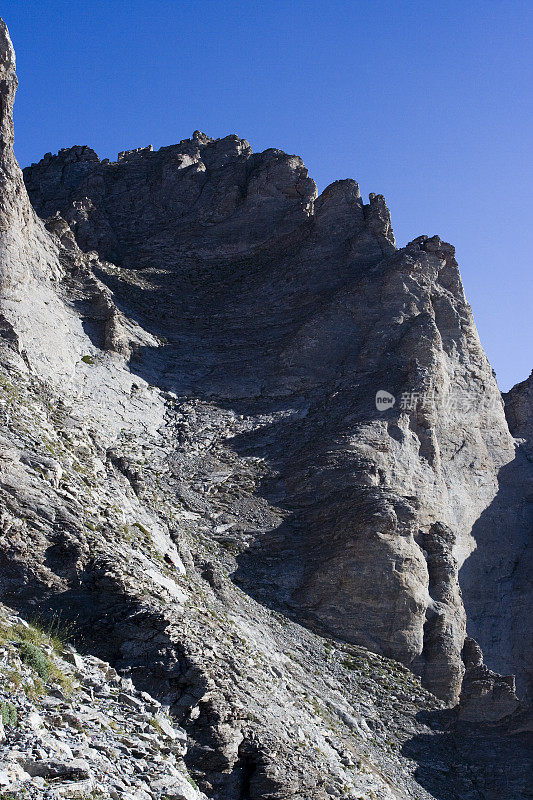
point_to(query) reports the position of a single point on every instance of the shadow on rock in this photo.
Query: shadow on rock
(458, 761)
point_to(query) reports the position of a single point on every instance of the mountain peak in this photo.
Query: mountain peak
(255, 467)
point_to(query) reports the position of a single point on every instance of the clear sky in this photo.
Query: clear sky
(428, 103)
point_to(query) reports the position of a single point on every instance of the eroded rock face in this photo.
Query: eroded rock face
(194, 473)
(519, 411)
(289, 307)
(496, 579)
(485, 695)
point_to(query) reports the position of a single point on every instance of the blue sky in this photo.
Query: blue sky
(429, 103)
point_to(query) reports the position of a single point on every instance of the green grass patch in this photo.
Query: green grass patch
(9, 715)
(155, 725)
(31, 642)
(45, 632)
(141, 528)
(33, 656)
(349, 663)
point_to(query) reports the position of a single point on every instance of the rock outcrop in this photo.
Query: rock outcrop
(519, 412)
(73, 722)
(485, 695)
(296, 309)
(496, 579)
(197, 483)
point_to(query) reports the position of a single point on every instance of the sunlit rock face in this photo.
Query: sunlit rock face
(296, 309)
(196, 475)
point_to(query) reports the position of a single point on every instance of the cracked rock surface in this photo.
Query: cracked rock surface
(265, 580)
(83, 731)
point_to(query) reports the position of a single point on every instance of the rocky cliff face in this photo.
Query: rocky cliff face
(197, 478)
(293, 310)
(496, 579)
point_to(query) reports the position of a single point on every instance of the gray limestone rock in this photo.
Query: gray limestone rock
(279, 302)
(485, 696)
(196, 481)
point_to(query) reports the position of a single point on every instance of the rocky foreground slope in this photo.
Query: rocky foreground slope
(75, 728)
(198, 487)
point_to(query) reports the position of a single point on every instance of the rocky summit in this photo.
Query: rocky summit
(264, 512)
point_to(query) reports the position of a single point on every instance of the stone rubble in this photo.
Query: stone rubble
(198, 492)
(92, 735)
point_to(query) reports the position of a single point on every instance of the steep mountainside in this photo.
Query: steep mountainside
(197, 482)
(293, 311)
